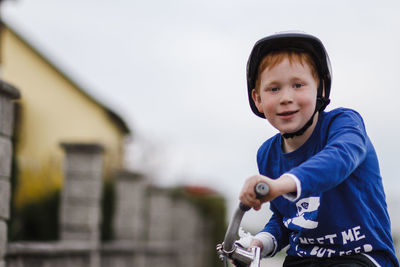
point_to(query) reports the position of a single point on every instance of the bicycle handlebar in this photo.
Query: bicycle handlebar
(228, 247)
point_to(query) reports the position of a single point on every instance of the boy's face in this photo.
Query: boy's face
(287, 95)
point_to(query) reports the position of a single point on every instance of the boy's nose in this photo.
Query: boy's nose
(286, 96)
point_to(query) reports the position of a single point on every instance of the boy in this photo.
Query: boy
(326, 191)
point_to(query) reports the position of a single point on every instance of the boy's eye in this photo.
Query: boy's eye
(297, 85)
(274, 89)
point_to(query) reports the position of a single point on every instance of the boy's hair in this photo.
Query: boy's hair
(276, 57)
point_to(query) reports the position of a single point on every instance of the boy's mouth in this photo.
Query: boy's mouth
(287, 113)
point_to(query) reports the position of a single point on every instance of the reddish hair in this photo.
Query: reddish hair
(274, 58)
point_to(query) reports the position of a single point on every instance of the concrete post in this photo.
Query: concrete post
(81, 196)
(129, 222)
(189, 234)
(161, 215)
(7, 94)
(130, 199)
(161, 212)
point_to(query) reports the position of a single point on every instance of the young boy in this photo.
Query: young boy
(326, 191)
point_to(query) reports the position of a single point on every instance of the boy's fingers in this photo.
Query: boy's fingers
(251, 202)
(245, 196)
(248, 196)
(255, 243)
(247, 201)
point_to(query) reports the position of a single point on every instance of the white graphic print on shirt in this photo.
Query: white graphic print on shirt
(307, 210)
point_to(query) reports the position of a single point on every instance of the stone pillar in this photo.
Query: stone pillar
(188, 234)
(161, 212)
(81, 196)
(129, 222)
(130, 200)
(7, 94)
(161, 215)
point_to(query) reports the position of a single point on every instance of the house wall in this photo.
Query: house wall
(53, 109)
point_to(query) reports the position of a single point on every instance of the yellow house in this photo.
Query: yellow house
(52, 109)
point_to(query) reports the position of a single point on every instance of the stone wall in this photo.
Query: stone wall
(7, 94)
(154, 228)
(151, 226)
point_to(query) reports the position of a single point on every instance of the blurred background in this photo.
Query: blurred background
(161, 86)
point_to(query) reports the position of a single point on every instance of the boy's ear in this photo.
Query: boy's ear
(257, 100)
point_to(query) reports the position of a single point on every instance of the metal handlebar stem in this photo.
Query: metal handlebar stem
(228, 249)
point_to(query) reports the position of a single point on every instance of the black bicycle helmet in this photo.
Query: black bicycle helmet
(296, 41)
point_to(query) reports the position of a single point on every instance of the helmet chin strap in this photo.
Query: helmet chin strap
(302, 130)
(321, 104)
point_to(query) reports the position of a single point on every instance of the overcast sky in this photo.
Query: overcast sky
(175, 71)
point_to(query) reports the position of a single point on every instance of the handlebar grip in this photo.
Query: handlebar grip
(261, 189)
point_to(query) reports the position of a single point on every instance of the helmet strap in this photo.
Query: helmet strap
(321, 104)
(302, 130)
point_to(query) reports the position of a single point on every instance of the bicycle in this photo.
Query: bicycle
(228, 249)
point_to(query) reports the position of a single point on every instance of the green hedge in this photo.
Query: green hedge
(39, 220)
(36, 221)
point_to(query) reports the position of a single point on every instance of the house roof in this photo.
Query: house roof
(117, 119)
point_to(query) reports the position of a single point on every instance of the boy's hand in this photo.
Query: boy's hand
(282, 185)
(248, 196)
(256, 243)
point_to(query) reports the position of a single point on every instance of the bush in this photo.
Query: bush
(36, 221)
(107, 209)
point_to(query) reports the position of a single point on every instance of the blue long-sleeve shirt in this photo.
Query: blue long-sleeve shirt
(340, 207)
